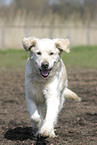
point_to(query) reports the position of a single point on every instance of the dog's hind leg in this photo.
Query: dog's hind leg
(41, 112)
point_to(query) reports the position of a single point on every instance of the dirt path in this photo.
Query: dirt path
(77, 123)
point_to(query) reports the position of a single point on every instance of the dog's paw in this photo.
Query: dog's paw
(35, 122)
(46, 131)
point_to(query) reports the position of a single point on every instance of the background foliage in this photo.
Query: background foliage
(84, 10)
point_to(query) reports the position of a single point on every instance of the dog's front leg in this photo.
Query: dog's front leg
(47, 128)
(34, 115)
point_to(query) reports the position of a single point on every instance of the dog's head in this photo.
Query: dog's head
(45, 52)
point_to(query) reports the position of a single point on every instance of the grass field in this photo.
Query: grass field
(82, 56)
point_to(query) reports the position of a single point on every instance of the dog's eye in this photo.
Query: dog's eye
(51, 53)
(39, 53)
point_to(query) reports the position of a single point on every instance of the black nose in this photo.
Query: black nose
(44, 65)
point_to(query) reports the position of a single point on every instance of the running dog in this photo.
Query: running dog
(46, 82)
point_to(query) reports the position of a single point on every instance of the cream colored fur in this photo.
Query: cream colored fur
(46, 87)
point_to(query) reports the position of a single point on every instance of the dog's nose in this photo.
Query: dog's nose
(44, 65)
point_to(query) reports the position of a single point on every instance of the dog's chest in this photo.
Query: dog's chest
(37, 90)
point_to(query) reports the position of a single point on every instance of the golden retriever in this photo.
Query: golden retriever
(46, 82)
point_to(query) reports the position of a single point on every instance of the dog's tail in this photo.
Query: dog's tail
(70, 95)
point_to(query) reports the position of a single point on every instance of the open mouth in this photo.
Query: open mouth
(45, 72)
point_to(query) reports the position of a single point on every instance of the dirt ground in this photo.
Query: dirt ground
(77, 122)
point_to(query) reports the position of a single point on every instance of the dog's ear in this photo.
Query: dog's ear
(62, 44)
(29, 43)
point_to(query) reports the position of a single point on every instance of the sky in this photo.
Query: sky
(8, 1)
(5, 2)
(53, 1)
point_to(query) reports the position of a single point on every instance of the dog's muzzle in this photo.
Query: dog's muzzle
(45, 71)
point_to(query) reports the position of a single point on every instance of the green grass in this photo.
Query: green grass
(13, 58)
(82, 56)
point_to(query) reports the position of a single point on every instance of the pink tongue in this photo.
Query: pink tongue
(45, 73)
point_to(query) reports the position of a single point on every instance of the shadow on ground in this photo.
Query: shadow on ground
(22, 134)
